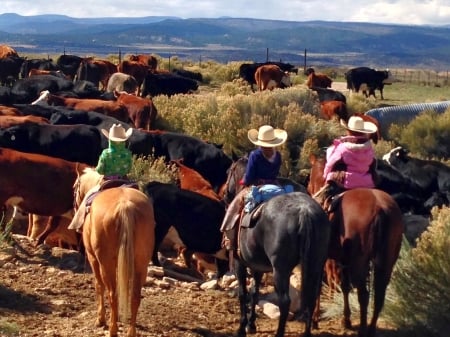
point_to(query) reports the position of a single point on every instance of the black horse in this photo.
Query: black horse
(291, 229)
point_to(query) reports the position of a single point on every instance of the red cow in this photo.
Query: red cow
(7, 121)
(9, 111)
(148, 60)
(317, 80)
(136, 69)
(38, 184)
(190, 179)
(108, 108)
(141, 111)
(270, 76)
(6, 51)
(333, 109)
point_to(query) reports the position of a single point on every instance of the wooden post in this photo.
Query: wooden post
(304, 62)
(267, 54)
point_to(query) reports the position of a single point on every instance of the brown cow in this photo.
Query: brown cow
(6, 51)
(38, 184)
(57, 73)
(333, 109)
(317, 80)
(270, 76)
(7, 121)
(96, 71)
(9, 111)
(136, 69)
(141, 111)
(109, 108)
(148, 60)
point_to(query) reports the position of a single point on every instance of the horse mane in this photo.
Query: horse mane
(84, 182)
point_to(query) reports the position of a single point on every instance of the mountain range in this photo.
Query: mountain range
(312, 43)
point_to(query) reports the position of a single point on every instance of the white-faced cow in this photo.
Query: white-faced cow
(270, 76)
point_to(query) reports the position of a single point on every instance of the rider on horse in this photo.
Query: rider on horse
(263, 167)
(115, 163)
(350, 160)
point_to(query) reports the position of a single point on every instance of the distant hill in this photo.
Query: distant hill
(234, 39)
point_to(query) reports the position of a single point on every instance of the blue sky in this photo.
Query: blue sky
(414, 12)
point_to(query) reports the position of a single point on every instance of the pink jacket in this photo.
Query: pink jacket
(357, 157)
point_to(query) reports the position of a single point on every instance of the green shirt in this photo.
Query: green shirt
(115, 160)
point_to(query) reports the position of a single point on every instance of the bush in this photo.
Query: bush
(420, 285)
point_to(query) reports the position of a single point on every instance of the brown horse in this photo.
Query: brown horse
(119, 237)
(367, 229)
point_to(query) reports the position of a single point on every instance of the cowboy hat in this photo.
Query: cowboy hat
(117, 133)
(357, 124)
(267, 136)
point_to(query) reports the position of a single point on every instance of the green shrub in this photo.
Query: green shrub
(420, 284)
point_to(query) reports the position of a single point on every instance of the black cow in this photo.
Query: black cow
(409, 196)
(26, 90)
(206, 158)
(42, 64)
(196, 76)
(10, 69)
(196, 218)
(77, 143)
(247, 70)
(5, 95)
(69, 64)
(167, 84)
(368, 80)
(432, 176)
(326, 95)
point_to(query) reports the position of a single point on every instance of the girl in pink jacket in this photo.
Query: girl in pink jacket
(350, 160)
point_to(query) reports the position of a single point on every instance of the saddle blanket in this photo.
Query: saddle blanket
(259, 194)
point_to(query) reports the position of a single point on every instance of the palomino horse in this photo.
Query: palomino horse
(119, 236)
(367, 229)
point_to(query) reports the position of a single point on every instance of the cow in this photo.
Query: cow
(247, 70)
(5, 96)
(326, 94)
(190, 179)
(37, 64)
(7, 121)
(6, 110)
(136, 69)
(431, 175)
(196, 218)
(109, 108)
(95, 71)
(38, 184)
(141, 111)
(122, 82)
(26, 90)
(69, 64)
(317, 80)
(333, 109)
(196, 76)
(167, 84)
(10, 69)
(368, 80)
(76, 143)
(270, 76)
(6, 51)
(57, 73)
(148, 60)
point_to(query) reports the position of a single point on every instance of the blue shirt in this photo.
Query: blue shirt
(260, 170)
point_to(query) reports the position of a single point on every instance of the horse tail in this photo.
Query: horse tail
(125, 265)
(315, 236)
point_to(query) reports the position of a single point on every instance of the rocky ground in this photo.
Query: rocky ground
(49, 292)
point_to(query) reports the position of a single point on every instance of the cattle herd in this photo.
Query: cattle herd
(52, 114)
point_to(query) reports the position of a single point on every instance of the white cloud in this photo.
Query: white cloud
(378, 11)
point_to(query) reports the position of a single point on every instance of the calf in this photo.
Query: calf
(333, 109)
(318, 80)
(141, 111)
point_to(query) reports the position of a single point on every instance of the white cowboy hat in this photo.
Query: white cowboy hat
(267, 136)
(357, 124)
(117, 133)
